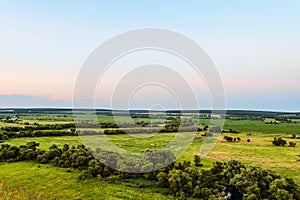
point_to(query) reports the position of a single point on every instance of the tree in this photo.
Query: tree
(162, 178)
(94, 168)
(197, 160)
(252, 197)
(292, 144)
(279, 142)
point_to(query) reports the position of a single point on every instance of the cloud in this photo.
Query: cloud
(17, 100)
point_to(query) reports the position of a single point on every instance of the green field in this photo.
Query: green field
(45, 181)
(259, 152)
(259, 126)
(50, 182)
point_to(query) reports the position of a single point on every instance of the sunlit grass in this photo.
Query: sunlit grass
(50, 182)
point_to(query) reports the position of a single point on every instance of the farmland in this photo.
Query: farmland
(45, 181)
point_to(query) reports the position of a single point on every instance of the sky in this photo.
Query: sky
(254, 45)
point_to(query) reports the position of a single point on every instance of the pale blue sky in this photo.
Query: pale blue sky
(254, 44)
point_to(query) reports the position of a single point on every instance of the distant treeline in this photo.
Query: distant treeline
(109, 128)
(225, 180)
(47, 133)
(37, 126)
(146, 113)
(38, 133)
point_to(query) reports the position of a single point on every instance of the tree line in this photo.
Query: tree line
(173, 124)
(281, 142)
(225, 180)
(38, 127)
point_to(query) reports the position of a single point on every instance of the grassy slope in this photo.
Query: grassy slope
(259, 152)
(59, 184)
(238, 125)
(55, 183)
(259, 126)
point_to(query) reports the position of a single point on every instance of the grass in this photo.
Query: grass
(255, 126)
(258, 126)
(56, 183)
(6, 193)
(46, 142)
(261, 152)
(125, 141)
(258, 152)
(50, 182)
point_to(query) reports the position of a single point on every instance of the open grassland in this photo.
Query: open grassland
(256, 126)
(17, 193)
(259, 151)
(259, 126)
(48, 182)
(61, 119)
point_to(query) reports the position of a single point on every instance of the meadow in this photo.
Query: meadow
(44, 181)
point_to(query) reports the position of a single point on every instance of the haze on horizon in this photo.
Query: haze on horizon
(255, 46)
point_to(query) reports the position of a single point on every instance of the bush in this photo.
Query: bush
(84, 175)
(292, 144)
(279, 142)
(183, 180)
(197, 160)
(228, 138)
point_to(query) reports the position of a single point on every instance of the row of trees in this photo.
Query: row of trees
(282, 142)
(5, 135)
(38, 127)
(229, 131)
(93, 163)
(225, 180)
(8, 135)
(232, 139)
(173, 124)
(91, 124)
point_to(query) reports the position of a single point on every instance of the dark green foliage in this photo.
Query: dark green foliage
(228, 138)
(162, 179)
(84, 175)
(279, 142)
(292, 144)
(229, 131)
(231, 178)
(232, 139)
(197, 160)
(34, 133)
(224, 179)
(38, 127)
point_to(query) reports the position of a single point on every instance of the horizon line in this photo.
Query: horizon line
(144, 109)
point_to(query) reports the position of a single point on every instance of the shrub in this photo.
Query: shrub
(228, 138)
(197, 160)
(292, 144)
(279, 142)
(84, 175)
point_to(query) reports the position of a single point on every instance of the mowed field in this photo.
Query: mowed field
(46, 181)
